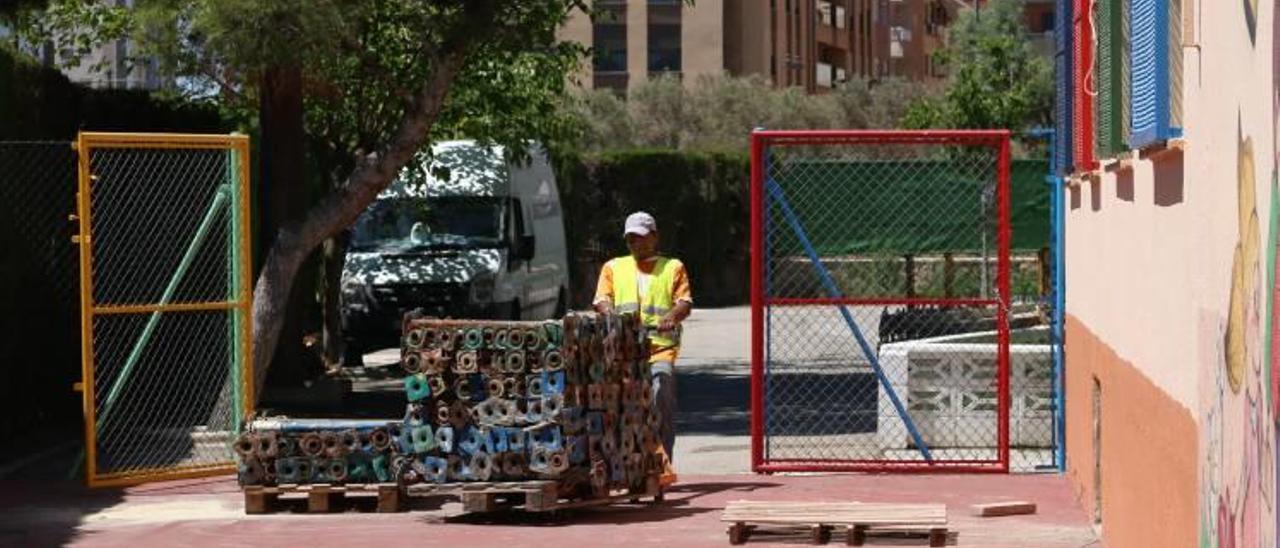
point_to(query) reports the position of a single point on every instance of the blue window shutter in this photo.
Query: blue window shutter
(1149, 73)
(1064, 91)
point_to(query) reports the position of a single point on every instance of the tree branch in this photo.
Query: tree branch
(372, 174)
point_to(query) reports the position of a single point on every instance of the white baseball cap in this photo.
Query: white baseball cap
(640, 223)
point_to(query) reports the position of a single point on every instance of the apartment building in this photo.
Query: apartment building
(814, 44)
(635, 40)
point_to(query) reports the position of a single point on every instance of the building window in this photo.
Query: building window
(1046, 22)
(664, 37)
(609, 38)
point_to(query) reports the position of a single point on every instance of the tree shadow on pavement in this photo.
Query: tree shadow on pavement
(696, 490)
(44, 513)
(613, 514)
(712, 403)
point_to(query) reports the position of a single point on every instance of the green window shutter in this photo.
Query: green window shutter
(1109, 80)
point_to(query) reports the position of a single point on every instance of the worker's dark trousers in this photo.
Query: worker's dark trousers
(664, 401)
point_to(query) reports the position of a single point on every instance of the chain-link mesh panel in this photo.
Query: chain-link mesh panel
(884, 301)
(167, 303)
(39, 330)
(148, 208)
(167, 413)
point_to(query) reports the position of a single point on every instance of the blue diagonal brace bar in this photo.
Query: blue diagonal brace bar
(775, 192)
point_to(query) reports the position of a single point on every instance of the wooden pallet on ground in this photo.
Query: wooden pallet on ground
(321, 498)
(857, 519)
(530, 496)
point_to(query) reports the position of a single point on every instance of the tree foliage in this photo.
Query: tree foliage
(718, 113)
(381, 80)
(363, 61)
(73, 28)
(997, 80)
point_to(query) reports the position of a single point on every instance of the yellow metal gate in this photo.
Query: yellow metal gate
(166, 293)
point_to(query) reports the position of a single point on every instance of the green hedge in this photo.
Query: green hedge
(38, 102)
(700, 201)
(39, 284)
(702, 205)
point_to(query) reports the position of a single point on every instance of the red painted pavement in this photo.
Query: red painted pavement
(210, 513)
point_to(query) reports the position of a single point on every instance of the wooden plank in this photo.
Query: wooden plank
(937, 537)
(258, 501)
(320, 499)
(388, 499)
(739, 533)
(1010, 508)
(542, 500)
(479, 502)
(856, 535)
(819, 534)
(499, 488)
(838, 513)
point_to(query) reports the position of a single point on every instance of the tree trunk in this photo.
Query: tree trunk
(340, 208)
(335, 253)
(285, 200)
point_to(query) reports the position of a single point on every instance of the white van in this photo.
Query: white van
(469, 235)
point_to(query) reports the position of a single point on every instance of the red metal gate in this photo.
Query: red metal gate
(880, 301)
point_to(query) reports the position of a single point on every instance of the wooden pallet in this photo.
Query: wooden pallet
(530, 496)
(858, 520)
(321, 498)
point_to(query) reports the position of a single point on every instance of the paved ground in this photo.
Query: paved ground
(712, 457)
(209, 513)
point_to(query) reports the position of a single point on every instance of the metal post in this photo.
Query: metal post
(757, 308)
(1057, 230)
(236, 350)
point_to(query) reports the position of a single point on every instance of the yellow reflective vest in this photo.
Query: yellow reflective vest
(657, 301)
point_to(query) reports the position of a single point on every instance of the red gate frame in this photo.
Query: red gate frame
(760, 140)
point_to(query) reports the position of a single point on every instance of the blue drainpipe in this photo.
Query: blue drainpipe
(1057, 230)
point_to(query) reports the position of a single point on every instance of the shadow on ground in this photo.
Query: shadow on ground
(678, 504)
(42, 493)
(802, 403)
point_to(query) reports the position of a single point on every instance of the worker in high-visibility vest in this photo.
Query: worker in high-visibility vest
(658, 288)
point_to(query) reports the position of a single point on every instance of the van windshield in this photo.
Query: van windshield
(405, 224)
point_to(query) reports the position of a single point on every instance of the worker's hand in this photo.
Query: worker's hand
(667, 323)
(604, 307)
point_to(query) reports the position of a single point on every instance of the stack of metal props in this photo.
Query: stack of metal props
(528, 400)
(568, 400)
(280, 451)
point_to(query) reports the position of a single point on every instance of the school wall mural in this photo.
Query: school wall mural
(1239, 403)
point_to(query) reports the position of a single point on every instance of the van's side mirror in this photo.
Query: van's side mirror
(524, 248)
